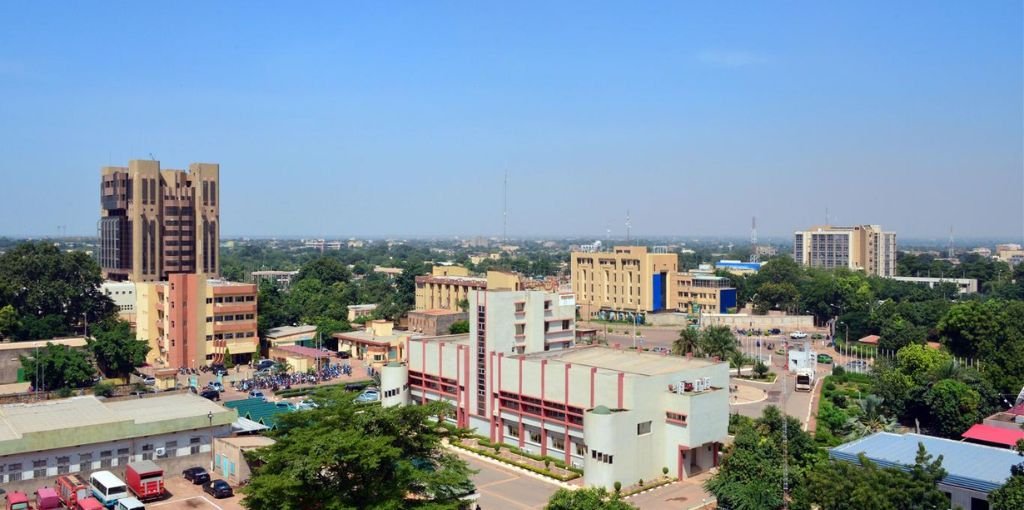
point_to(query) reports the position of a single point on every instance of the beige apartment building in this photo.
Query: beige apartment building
(190, 320)
(624, 281)
(860, 248)
(447, 286)
(156, 222)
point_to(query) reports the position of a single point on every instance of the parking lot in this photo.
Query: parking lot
(504, 488)
(185, 496)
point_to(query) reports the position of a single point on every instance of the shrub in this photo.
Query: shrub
(641, 483)
(65, 392)
(547, 464)
(497, 449)
(103, 390)
(664, 471)
(618, 487)
(830, 386)
(838, 371)
(760, 369)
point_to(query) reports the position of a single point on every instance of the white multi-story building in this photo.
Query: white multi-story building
(517, 377)
(861, 248)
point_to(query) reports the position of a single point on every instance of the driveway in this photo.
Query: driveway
(502, 488)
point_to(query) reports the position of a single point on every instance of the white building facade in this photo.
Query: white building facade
(517, 378)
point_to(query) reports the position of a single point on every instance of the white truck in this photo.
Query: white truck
(804, 379)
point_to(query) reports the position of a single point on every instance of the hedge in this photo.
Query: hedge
(541, 471)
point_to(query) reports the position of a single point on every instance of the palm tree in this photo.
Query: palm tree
(871, 419)
(688, 342)
(736, 360)
(717, 341)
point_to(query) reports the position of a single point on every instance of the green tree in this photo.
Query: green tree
(590, 498)
(327, 270)
(953, 406)
(687, 343)
(717, 341)
(345, 455)
(1011, 494)
(9, 323)
(992, 332)
(921, 363)
(458, 327)
(52, 291)
(229, 361)
(736, 360)
(115, 348)
(57, 366)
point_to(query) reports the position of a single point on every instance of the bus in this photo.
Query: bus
(804, 379)
(107, 488)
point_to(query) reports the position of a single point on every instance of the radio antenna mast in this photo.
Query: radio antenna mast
(754, 255)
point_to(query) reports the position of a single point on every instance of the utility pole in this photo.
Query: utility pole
(754, 256)
(504, 211)
(628, 225)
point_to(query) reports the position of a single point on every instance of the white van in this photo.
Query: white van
(130, 504)
(107, 488)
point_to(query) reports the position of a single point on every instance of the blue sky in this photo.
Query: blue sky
(346, 118)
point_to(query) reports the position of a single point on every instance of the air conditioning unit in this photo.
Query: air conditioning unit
(160, 452)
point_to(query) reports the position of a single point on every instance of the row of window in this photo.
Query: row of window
(396, 391)
(602, 457)
(230, 336)
(231, 299)
(14, 471)
(232, 317)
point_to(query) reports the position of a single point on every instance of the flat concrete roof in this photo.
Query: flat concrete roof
(16, 420)
(70, 342)
(368, 336)
(620, 360)
(245, 442)
(436, 311)
(461, 338)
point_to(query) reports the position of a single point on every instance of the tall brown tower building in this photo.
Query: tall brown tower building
(157, 222)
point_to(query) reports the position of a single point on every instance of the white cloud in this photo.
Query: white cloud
(732, 59)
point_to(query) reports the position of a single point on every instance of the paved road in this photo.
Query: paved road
(502, 488)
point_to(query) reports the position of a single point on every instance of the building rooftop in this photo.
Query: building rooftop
(299, 350)
(290, 330)
(462, 338)
(247, 442)
(456, 280)
(968, 465)
(436, 311)
(367, 336)
(996, 435)
(70, 342)
(84, 420)
(363, 307)
(274, 273)
(225, 283)
(640, 363)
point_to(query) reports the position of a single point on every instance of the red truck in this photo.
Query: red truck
(145, 479)
(71, 489)
(17, 501)
(89, 503)
(47, 499)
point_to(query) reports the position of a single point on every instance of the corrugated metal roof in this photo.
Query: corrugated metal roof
(968, 465)
(990, 434)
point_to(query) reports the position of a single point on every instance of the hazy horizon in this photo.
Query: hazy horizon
(378, 120)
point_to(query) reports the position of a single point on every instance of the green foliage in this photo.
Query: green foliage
(9, 322)
(717, 341)
(837, 485)
(590, 498)
(65, 392)
(345, 455)
(115, 348)
(920, 363)
(458, 327)
(103, 389)
(751, 471)
(688, 341)
(760, 369)
(618, 487)
(229, 363)
(953, 406)
(992, 332)
(1010, 495)
(325, 270)
(57, 366)
(51, 291)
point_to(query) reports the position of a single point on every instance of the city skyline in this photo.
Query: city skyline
(352, 121)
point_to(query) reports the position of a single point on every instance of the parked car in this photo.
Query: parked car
(824, 358)
(257, 394)
(149, 380)
(218, 489)
(344, 354)
(857, 364)
(196, 475)
(210, 394)
(284, 404)
(369, 395)
(130, 504)
(798, 335)
(265, 364)
(218, 369)
(306, 404)
(17, 501)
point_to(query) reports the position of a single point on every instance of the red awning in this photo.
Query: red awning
(994, 435)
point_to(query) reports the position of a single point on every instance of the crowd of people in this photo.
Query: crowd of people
(278, 381)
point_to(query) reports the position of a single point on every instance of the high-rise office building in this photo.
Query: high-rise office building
(861, 248)
(624, 281)
(155, 222)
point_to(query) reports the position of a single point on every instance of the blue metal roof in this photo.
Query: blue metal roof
(968, 465)
(753, 266)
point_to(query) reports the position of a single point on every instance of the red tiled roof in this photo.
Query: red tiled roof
(870, 339)
(1017, 410)
(995, 435)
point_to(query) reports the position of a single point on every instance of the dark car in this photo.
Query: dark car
(218, 489)
(265, 364)
(218, 369)
(196, 475)
(210, 394)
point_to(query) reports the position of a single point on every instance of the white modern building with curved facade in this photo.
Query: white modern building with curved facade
(621, 415)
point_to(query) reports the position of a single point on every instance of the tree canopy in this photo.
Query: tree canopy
(51, 292)
(57, 366)
(347, 455)
(1011, 494)
(116, 349)
(590, 498)
(838, 485)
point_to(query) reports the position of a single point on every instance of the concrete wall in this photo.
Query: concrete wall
(787, 323)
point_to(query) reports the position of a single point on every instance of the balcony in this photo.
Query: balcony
(563, 335)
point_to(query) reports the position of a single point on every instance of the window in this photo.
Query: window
(535, 437)
(147, 452)
(63, 465)
(39, 468)
(643, 428)
(565, 325)
(194, 444)
(106, 458)
(513, 430)
(122, 456)
(209, 301)
(209, 319)
(171, 447)
(84, 461)
(979, 504)
(15, 472)
(558, 443)
(581, 449)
